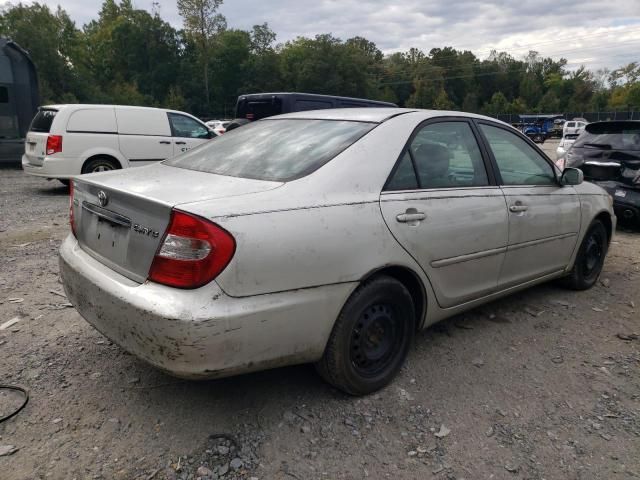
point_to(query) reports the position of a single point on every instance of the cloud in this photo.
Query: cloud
(590, 31)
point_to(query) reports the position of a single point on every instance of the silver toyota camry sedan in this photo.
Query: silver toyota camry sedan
(328, 237)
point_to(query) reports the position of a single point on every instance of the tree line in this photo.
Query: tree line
(134, 57)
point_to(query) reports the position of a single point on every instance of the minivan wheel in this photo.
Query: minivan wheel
(371, 337)
(100, 164)
(590, 259)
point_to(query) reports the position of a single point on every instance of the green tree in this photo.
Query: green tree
(202, 22)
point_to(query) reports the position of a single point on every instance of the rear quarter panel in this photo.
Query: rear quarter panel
(294, 249)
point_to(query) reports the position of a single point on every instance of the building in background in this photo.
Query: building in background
(18, 99)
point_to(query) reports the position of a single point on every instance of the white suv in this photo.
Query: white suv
(68, 140)
(573, 127)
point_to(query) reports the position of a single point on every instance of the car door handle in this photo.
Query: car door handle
(164, 142)
(518, 208)
(181, 143)
(411, 217)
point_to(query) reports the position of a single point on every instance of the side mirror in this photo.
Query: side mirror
(572, 176)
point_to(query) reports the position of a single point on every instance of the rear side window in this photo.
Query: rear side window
(4, 95)
(444, 155)
(276, 150)
(305, 105)
(43, 120)
(611, 136)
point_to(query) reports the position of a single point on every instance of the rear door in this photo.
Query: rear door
(187, 133)
(544, 217)
(144, 135)
(36, 142)
(443, 207)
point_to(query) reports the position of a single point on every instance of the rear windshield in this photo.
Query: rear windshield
(257, 109)
(611, 136)
(276, 150)
(43, 120)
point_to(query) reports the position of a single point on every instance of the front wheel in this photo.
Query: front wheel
(371, 337)
(538, 138)
(590, 258)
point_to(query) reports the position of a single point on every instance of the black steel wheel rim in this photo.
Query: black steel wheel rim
(593, 253)
(375, 339)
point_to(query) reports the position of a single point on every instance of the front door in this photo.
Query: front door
(442, 207)
(187, 133)
(544, 217)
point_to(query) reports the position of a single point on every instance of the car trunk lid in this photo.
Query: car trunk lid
(121, 217)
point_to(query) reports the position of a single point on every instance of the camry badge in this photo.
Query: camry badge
(103, 199)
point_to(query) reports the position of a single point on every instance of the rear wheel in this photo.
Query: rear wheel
(590, 258)
(100, 164)
(64, 181)
(371, 337)
(538, 138)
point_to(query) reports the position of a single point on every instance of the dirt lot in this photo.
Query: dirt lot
(542, 385)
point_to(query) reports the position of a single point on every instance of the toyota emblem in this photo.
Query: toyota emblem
(103, 199)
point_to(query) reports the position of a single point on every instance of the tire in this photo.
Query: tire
(590, 259)
(358, 364)
(538, 138)
(65, 181)
(100, 164)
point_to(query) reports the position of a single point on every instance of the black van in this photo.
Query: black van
(261, 105)
(18, 99)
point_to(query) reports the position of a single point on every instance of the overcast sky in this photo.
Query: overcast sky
(595, 33)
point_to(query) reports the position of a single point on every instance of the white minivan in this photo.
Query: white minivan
(68, 140)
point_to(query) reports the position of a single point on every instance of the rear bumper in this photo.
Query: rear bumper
(627, 207)
(200, 333)
(53, 167)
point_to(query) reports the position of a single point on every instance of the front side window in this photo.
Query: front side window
(186, 127)
(277, 150)
(518, 162)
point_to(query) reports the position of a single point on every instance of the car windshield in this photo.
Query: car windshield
(276, 150)
(611, 136)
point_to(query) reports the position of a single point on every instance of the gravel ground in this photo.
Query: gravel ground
(541, 385)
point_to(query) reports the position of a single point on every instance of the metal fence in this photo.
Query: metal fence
(589, 116)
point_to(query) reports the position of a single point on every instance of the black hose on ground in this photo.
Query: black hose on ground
(24, 403)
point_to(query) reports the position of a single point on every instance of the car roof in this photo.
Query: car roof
(375, 115)
(105, 106)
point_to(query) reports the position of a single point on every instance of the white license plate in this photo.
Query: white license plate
(621, 193)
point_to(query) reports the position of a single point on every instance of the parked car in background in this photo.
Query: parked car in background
(609, 155)
(69, 140)
(328, 236)
(573, 127)
(565, 144)
(218, 126)
(262, 105)
(538, 127)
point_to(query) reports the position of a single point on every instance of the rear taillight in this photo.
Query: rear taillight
(193, 252)
(54, 144)
(72, 220)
